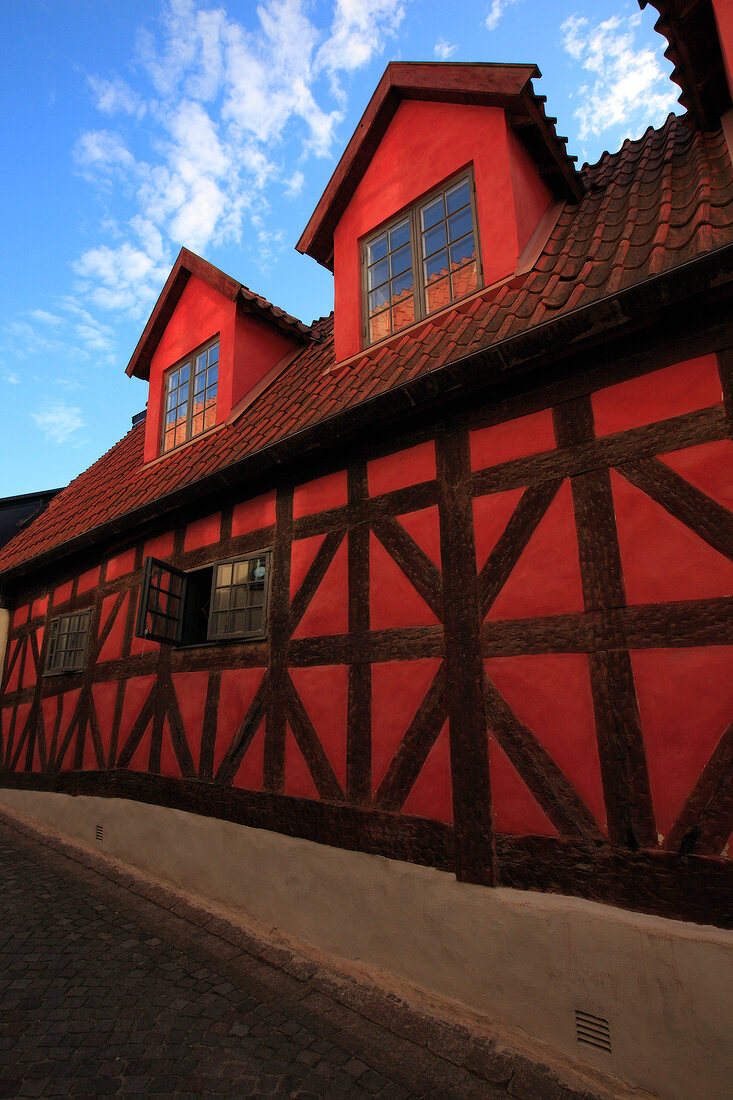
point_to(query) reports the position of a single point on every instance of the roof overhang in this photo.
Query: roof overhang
(188, 264)
(488, 85)
(694, 49)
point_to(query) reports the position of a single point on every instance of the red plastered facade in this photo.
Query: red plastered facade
(500, 544)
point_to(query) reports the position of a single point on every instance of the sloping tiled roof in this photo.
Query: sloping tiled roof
(659, 203)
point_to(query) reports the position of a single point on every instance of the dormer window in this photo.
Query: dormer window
(422, 261)
(190, 396)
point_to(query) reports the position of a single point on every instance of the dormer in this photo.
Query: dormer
(210, 342)
(448, 179)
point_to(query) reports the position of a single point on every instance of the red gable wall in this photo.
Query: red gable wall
(425, 144)
(248, 349)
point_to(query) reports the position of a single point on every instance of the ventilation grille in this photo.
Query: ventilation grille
(100, 832)
(593, 1031)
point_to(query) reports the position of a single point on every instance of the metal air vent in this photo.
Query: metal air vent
(592, 1030)
(100, 833)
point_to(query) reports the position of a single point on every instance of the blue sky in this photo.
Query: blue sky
(134, 128)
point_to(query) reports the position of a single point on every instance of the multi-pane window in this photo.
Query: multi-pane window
(422, 262)
(67, 643)
(227, 600)
(239, 593)
(190, 397)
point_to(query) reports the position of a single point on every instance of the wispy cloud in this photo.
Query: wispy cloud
(218, 100)
(12, 378)
(114, 97)
(58, 422)
(627, 87)
(497, 9)
(443, 49)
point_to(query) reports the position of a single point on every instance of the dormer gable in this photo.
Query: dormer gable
(209, 342)
(456, 161)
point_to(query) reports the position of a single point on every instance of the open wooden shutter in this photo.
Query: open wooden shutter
(162, 599)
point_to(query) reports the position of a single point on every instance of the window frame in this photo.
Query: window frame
(50, 668)
(411, 214)
(178, 637)
(248, 634)
(188, 360)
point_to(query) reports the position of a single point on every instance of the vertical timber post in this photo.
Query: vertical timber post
(469, 743)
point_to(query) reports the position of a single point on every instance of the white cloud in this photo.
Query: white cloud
(294, 185)
(358, 31)
(102, 153)
(58, 422)
(221, 99)
(12, 378)
(116, 97)
(497, 9)
(444, 49)
(627, 86)
(45, 317)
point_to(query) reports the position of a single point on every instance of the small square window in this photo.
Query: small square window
(67, 643)
(227, 601)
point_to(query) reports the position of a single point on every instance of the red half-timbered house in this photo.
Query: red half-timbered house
(446, 577)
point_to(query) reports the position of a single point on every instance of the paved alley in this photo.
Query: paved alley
(113, 985)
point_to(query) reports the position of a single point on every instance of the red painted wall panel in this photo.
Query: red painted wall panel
(29, 669)
(250, 515)
(66, 762)
(685, 702)
(424, 527)
(203, 532)
(21, 615)
(324, 694)
(397, 471)
(525, 435)
(39, 607)
(491, 513)
(237, 690)
(432, 794)
(190, 689)
(298, 779)
(546, 579)
(318, 496)
(88, 580)
(112, 647)
(327, 612)
(692, 384)
(514, 807)
(398, 689)
(709, 467)
(394, 602)
(550, 693)
(123, 563)
(62, 593)
(662, 558)
(257, 348)
(137, 689)
(159, 547)
(105, 697)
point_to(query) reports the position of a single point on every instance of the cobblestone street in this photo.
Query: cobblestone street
(112, 985)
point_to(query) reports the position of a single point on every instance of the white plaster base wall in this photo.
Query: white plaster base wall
(524, 960)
